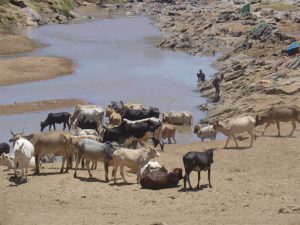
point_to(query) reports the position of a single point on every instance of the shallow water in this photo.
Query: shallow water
(116, 59)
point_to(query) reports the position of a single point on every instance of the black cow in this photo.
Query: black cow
(159, 179)
(133, 131)
(53, 118)
(4, 148)
(197, 161)
(85, 124)
(133, 115)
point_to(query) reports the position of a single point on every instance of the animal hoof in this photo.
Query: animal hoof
(210, 186)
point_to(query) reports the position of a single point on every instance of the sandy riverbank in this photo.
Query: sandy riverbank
(250, 186)
(39, 106)
(28, 69)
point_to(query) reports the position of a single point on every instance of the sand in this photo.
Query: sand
(16, 44)
(39, 106)
(259, 185)
(28, 69)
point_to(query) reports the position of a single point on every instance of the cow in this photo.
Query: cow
(47, 143)
(53, 118)
(168, 131)
(80, 132)
(150, 167)
(74, 141)
(178, 118)
(87, 114)
(130, 132)
(277, 115)
(132, 114)
(4, 148)
(114, 117)
(205, 132)
(235, 126)
(120, 107)
(197, 161)
(24, 150)
(85, 124)
(133, 159)
(158, 179)
(94, 151)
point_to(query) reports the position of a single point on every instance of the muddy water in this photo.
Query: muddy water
(116, 59)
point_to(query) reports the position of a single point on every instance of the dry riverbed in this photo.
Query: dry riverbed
(250, 186)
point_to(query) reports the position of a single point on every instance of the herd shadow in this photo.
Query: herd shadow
(201, 187)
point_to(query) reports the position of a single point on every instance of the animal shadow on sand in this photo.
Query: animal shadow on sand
(195, 189)
(236, 148)
(121, 183)
(276, 136)
(16, 180)
(88, 179)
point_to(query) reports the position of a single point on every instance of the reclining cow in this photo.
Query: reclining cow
(277, 115)
(160, 179)
(54, 118)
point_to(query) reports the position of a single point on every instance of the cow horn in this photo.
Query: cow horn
(12, 133)
(22, 132)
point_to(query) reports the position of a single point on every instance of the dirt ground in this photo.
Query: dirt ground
(28, 69)
(39, 106)
(16, 44)
(259, 185)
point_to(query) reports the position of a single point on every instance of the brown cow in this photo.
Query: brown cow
(279, 114)
(168, 131)
(159, 179)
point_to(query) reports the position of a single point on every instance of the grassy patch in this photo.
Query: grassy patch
(3, 2)
(279, 6)
(63, 6)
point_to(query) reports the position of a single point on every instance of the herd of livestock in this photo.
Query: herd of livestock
(121, 141)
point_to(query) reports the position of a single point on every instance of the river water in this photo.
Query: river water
(116, 59)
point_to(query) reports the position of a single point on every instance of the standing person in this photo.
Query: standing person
(201, 76)
(216, 83)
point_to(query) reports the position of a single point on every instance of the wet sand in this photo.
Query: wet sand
(16, 44)
(250, 186)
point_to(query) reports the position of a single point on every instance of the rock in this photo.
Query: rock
(33, 18)
(236, 34)
(203, 107)
(73, 14)
(20, 4)
(59, 17)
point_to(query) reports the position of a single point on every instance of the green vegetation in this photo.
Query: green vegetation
(3, 2)
(63, 6)
(279, 6)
